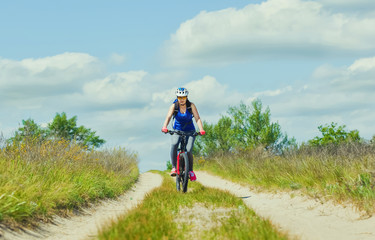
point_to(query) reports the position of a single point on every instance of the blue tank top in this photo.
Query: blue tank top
(184, 121)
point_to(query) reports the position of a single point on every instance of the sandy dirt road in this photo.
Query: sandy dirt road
(85, 226)
(300, 216)
(303, 217)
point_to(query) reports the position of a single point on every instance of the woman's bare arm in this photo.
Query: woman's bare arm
(169, 116)
(197, 117)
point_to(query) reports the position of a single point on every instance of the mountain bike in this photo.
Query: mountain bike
(183, 164)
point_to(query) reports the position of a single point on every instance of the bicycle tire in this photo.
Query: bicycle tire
(179, 176)
(185, 173)
(178, 183)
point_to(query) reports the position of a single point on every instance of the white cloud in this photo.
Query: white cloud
(117, 59)
(363, 65)
(71, 63)
(275, 27)
(166, 97)
(169, 78)
(358, 77)
(76, 81)
(37, 78)
(210, 96)
(349, 4)
(334, 94)
(120, 88)
(273, 93)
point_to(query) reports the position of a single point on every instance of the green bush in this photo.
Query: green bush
(60, 128)
(334, 134)
(245, 127)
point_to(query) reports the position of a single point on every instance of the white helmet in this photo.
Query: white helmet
(182, 92)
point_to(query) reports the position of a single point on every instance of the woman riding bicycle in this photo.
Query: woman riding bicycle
(184, 111)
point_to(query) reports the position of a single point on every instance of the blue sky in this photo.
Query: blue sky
(115, 64)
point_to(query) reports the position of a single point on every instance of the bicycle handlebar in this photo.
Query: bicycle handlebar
(182, 133)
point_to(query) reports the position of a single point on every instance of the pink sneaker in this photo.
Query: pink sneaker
(173, 172)
(192, 175)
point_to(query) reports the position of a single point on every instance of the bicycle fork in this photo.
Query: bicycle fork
(178, 163)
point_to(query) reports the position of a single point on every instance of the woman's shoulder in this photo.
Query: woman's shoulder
(171, 108)
(192, 105)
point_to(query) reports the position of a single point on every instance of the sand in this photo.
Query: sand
(299, 215)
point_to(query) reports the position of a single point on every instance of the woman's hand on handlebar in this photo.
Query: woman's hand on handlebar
(202, 132)
(164, 129)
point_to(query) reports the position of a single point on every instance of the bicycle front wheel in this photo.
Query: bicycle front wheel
(180, 171)
(185, 173)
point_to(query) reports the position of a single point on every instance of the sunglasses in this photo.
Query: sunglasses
(181, 98)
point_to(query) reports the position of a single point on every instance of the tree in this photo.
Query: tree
(372, 141)
(334, 134)
(29, 130)
(62, 127)
(245, 127)
(223, 133)
(218, 138)
(252, 127)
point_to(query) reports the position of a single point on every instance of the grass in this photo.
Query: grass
(40, 179)
(345, 174)
(166, 214)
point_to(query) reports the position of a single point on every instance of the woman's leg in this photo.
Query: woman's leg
(189, 148)
(175, 140)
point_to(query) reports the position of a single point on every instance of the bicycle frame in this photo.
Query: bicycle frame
(181, 150)
(182, 166)
(178, 163)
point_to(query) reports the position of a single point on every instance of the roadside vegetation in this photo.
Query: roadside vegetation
(57, 170)
(246, 147)
(201, 213)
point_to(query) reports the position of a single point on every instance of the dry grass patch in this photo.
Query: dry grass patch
(41, 179)
(201, 217)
